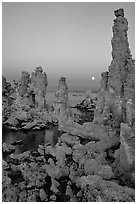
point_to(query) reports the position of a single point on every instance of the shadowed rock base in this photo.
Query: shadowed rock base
(93, 162)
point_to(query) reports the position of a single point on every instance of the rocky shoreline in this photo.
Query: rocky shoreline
(73, 170)
(92, 161)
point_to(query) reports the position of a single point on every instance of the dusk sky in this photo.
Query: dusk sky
(66, 39)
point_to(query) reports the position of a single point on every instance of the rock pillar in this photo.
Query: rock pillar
(38, 84)
(61, 106)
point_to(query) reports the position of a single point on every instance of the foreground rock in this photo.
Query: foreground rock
(93, 162)
(7, 148)
(69, 171)
(116, 99)
(98, 190)
(114, 116)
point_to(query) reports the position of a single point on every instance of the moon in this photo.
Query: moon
(93, 78)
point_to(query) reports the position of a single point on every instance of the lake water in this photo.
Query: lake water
(30, 139)
(74, 97)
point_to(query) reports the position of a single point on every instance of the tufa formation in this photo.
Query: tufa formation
(7, 99)
(118, 84)
(29, 100)
(61, 103)
(116, 99)
(93, 162)
(33, 89)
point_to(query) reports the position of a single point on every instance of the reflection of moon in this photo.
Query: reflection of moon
(93, 78)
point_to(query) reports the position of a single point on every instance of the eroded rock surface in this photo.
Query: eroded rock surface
(38, 87)
(61, 102)
(29, 102)
(31, 91)
(69, 171)
(115, 108)
(116, 100)
(93, 162)
(118, 84)
(7, 99)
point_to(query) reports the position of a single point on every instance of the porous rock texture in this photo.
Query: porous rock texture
(68, 171)
(117, 84)
(88, 103)
(86, 107)
(32, 90)
(61, 102)
(29, 106)
(29, 109)
(7, 99)
(116, 99)
(38, 87)
(93, 162)
(114, 117)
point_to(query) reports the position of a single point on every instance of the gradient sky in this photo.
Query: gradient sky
(66, 39)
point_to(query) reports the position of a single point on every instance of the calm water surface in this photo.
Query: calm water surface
(30, 139)
(74, 98)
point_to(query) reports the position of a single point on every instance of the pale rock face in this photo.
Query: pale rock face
(7, 99)
(24, 82)
(61, 106)
(38, 86)
(116, 99)
(31, 91)
(89, 160)
(130, 112)
(104, 81)
(7, 89)
(118, 84)
(127, 149)
(39, 80)
(61, 95)
(120, 53)
(29, 95)
(101, 103)
(129, 86)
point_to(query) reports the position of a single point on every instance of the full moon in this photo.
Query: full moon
(93, 78)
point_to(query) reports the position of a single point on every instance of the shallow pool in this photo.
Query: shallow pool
(30, 139)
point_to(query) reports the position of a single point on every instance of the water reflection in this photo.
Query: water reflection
(51, 136)
(30, 139)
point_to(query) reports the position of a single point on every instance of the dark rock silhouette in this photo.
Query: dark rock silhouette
(119, 12)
